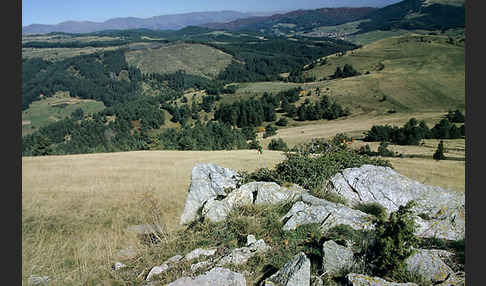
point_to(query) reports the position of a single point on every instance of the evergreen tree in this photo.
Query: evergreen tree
(395, 241)
(439, 152)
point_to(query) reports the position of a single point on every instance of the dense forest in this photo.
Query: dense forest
(267, 60)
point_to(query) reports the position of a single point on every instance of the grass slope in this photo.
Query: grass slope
(194, 59)
(421, 73)
(76, 208)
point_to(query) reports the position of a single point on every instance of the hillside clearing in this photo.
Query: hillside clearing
(48, 110)
(194, 59)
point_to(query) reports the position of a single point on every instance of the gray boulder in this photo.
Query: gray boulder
(254, 192)
(271, 193)
(216, 277)
(198, 265)
(157, 270)
(217, 210)
(363, 280)
(296, 272)
(241, 255)
(368, 184)
(327, 214)
(207, 181)
(38, 280)
(250, 239)
(196, 253)
(335, 257)
(428, 264)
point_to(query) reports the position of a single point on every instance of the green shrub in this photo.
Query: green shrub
(394, 243)
(270, 130)
(383, 150)
(282, 122)
(311, 171)
(277, 144)
(374, 209)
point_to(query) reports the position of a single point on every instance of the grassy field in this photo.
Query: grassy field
(195, 59)
(65, 38)
(76, 208)
(45, 111)
(419, 73)
(57, 54)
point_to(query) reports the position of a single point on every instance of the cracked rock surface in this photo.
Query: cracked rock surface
(444, 209)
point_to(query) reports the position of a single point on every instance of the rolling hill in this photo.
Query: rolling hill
(352, 23)
(296, 21)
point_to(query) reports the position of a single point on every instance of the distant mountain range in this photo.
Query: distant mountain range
(406, 14)
(163, 22)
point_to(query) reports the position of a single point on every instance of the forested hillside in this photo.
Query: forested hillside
(137, 103)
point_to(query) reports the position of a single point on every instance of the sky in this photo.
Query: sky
(57, 11)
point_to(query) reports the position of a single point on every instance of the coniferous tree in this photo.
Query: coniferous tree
(439, 152)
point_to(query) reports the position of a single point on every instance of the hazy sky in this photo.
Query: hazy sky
(56, 11)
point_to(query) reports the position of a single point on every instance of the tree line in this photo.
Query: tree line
(414, 131)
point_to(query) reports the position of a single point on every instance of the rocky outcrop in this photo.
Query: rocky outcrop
(208, 181)
(198, 252)
(38, 280)
(363, 280)
(429, 265)
(296, 272)
(327, 214)
(216, 277)
(213, 193)
(271, 193)
(335, 257)
(444, 209)
(217, 210)
(241, 255)
(157, 270)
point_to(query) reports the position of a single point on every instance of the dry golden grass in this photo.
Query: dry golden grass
(75, 208)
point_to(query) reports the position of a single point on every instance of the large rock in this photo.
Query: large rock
(157, 270)
(444, 209)
(38, 280)
(296, 272)
(241, 255)
(216, 277)
(217, 210)
(363, 280)
(335, 257)
(271, 193)
(196, 253)
(327, 214)
(428, 264)
(207, 181)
